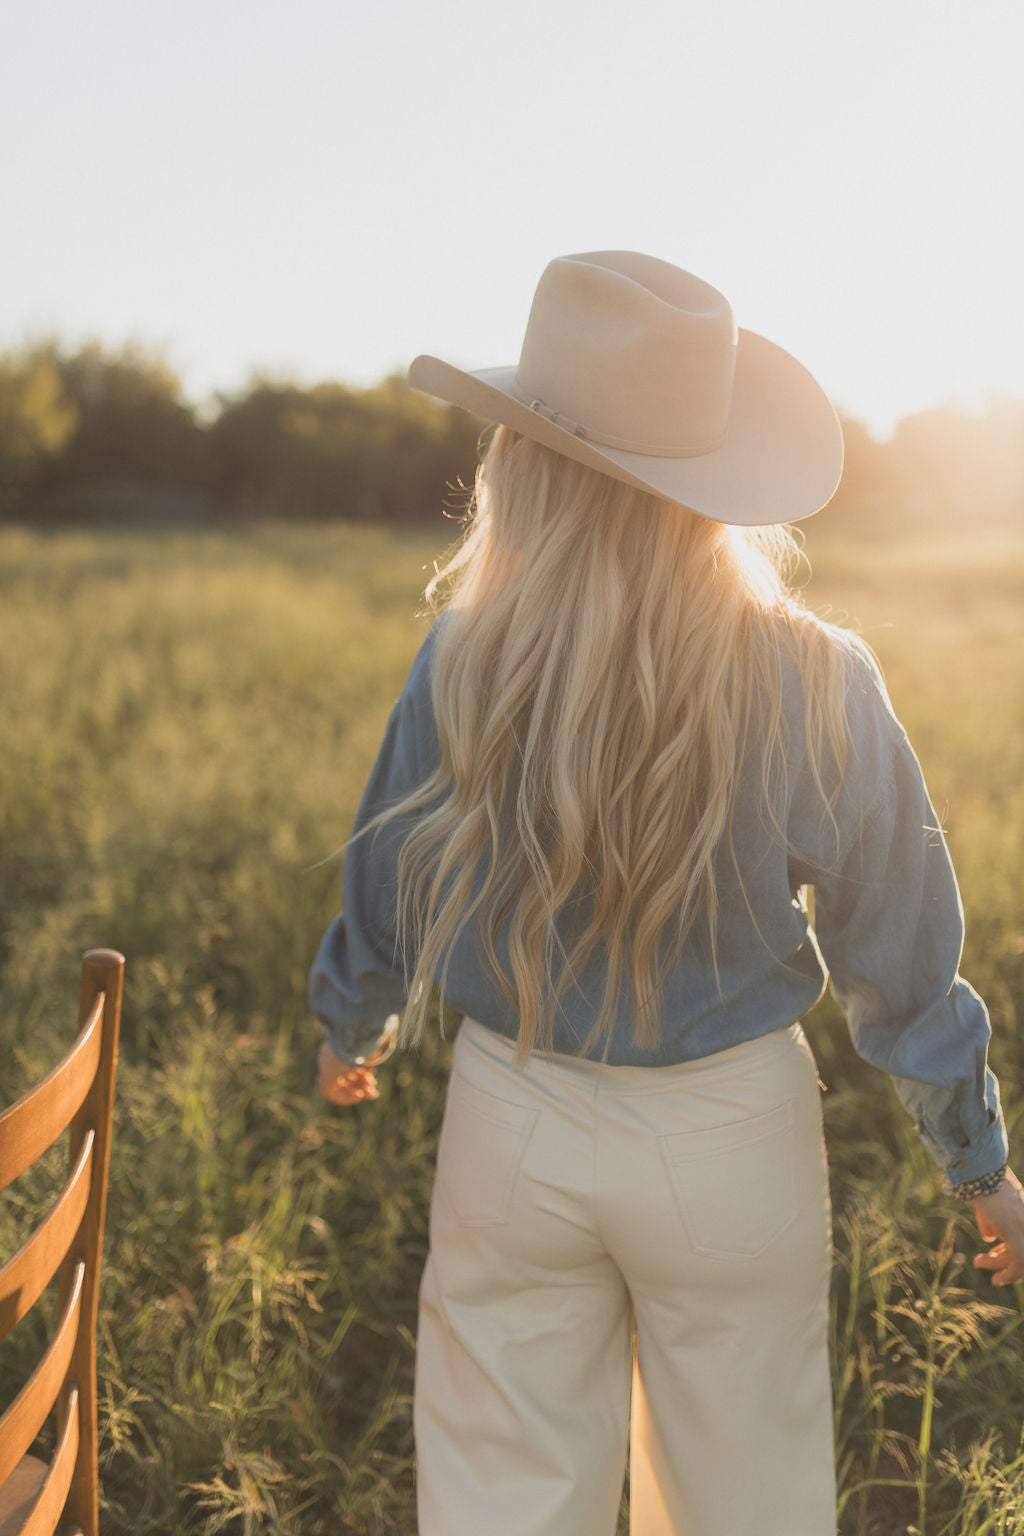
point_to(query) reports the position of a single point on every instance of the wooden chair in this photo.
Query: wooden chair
(35, 1498)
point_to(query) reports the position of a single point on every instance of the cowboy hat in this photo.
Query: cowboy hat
(637, 368)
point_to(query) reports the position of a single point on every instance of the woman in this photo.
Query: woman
(624, 752)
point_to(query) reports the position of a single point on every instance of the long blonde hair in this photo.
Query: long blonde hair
(605, 660)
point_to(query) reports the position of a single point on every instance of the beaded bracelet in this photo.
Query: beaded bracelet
(986, 1184)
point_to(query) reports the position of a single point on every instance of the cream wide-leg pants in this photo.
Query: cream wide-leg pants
(627, 1258)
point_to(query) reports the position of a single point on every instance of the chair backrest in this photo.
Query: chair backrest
(78, 1092)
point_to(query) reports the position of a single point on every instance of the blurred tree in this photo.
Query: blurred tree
(133, 424)
(953, 468)
(1004, 454)
(422, 455)
(36, 420)
(381, 455)
(864, 499)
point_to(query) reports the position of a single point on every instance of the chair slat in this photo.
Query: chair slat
(24, 1277)
(27, 1414)
(36, 1120)
(54, 1492)
(18, 1495)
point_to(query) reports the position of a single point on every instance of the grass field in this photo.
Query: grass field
(188, 721)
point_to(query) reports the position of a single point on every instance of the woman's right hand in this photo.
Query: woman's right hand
(342, 1084)
(1001, 1215)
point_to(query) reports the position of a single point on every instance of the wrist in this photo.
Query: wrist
(985, 1184)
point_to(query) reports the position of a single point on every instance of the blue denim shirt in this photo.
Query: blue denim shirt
(888, 928)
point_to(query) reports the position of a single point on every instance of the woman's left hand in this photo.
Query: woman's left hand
(342, 1084)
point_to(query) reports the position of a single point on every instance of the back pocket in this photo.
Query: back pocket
(735, 1184)
(482, 1142)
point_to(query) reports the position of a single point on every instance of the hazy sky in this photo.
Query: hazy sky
(325, 188)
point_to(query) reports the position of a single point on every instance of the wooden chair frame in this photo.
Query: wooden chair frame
(79, 1092)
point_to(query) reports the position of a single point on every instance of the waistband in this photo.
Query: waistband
(752, 1053)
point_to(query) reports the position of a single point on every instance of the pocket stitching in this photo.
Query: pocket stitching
(521, 1124)
(519, 1115)
(785, 1126)
(782, 1115)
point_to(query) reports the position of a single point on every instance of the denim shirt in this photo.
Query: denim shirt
(887, 931)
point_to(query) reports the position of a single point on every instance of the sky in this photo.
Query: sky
(324, 188)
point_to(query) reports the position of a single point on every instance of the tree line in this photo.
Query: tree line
(97, 433)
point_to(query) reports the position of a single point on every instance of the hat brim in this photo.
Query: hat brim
(780, 460)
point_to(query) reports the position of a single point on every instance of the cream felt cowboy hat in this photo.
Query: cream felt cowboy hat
(637, 368)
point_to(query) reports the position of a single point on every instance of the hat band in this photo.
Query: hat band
(605, 439)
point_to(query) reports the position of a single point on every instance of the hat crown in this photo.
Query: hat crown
(630, 351)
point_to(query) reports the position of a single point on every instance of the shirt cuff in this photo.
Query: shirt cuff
(989, 1152)
(353, 1052)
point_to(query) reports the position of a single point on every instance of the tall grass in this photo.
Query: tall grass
(188, 722)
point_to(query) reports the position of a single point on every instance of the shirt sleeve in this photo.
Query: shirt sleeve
(357, 983)
(890, 927)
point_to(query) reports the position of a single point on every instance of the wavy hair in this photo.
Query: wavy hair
(606, 662)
